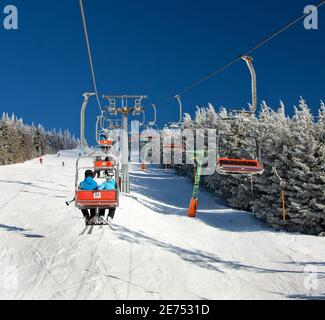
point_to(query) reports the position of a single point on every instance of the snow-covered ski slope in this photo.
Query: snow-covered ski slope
(153, 252)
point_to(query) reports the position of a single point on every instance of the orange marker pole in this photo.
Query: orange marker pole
(283, 208)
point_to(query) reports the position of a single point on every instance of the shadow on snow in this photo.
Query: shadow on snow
(163, 196)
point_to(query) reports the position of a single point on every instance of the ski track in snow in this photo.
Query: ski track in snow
(152, 250)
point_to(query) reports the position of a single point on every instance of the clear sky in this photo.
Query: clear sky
(155, 48)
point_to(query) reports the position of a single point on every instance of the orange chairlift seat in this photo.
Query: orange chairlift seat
(239, 166)
(106, 142)
(103, 164)
(96, 199)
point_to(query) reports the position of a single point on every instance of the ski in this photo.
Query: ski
(84, 231)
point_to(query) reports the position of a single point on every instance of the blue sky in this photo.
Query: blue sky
(155, 48)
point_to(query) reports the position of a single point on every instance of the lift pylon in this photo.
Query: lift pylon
(126, 110)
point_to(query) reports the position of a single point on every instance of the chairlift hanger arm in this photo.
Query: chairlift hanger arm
(97, 127)
(249, 61)
(179, 123)
(152, 123)
(143, 119)
(82, 120)
(180, 109)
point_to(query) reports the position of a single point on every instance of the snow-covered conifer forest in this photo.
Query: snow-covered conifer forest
(295, 146)
(20, 142)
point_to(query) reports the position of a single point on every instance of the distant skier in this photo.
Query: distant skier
(59, 154)
(63, 164)
(41, 160)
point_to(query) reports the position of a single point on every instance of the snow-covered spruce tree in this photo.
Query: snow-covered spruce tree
(277, 140)
(302, 162)
(4, 146)
(40, 140)
(317, 181)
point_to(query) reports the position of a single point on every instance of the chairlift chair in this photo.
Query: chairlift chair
(103, 162)
(239, 166)
(97, 199)
(232, 166)
(177, 125)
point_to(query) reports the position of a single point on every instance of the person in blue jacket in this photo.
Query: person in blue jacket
(109, 185)
(103, 137)
(89, 184)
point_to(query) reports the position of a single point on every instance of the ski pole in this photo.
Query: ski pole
(69, 202)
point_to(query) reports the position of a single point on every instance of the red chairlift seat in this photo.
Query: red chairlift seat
(173, 146)
(103, 164)
(239, 166)
(96, 199)
(105, 142)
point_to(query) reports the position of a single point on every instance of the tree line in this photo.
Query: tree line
(20, 142)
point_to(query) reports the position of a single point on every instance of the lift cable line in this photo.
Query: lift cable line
(89, 53)
(240, 57)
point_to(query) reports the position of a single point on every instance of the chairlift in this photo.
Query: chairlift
(102, 133)
(153, 124)
(102, 162)
(239, 166)
(177, 125)
(97, 199)
(232, 166)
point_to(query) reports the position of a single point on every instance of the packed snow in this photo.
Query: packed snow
(152, 250)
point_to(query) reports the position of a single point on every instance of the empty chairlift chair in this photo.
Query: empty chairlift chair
(239, 166)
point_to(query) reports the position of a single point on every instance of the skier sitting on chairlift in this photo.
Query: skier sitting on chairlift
(89, 184)
(103, 137)
(108, 185)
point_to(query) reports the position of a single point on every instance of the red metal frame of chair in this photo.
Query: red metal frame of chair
(239, 166)
(103, 164)
(96, 199)
(105, 142)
